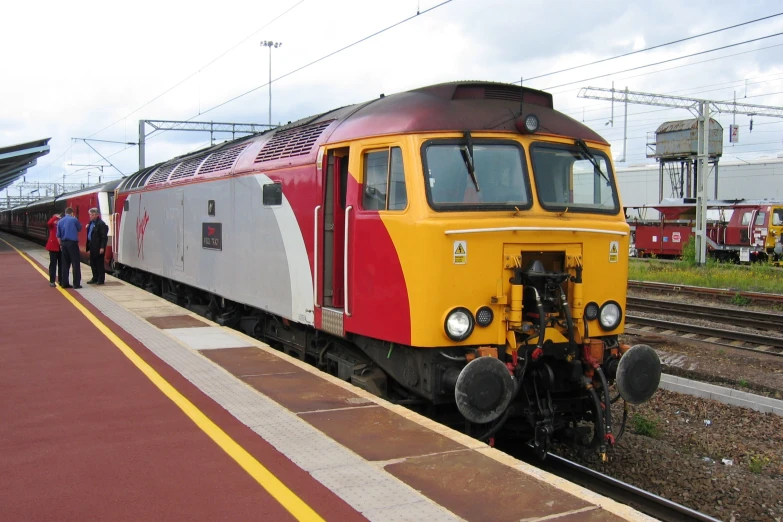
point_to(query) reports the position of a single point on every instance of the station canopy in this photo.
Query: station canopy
(16, 159)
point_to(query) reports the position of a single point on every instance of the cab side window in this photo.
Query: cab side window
(777, 217)
(745, 219)
(384, 180)
(761, 219)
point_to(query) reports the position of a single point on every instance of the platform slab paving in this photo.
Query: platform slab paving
(380, 490)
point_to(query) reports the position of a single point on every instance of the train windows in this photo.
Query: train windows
(500, 180)
(384, 180)
(566, 178)
(273, 195)
(777, 217)
(376, 168)
(746, 218)
(761, 219)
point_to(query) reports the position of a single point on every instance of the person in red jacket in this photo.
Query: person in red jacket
(53, 246)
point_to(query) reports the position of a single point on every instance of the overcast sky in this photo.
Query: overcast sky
(83, 69)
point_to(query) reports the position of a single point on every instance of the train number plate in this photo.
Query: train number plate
(212, 236)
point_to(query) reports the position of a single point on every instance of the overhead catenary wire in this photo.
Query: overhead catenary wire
(419, 13)
(201, 68)
(665, 61)
(651, 48)
(326, 56)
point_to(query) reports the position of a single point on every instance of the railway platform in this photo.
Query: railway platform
(119, 405)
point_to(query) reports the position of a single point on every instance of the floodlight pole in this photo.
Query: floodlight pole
(270, 44)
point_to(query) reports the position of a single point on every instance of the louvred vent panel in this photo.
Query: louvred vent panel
(162, 174)
(187, 168)
(221, 160)
(298, 141)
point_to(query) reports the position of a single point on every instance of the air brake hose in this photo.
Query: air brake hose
(569, 323)
(538, 352)
(607, 403)
(599, 419)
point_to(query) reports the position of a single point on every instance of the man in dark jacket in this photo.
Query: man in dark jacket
(97, 237)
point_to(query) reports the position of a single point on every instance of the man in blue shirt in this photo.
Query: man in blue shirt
(68, 235)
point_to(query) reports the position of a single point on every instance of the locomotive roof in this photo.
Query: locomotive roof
(456, 106)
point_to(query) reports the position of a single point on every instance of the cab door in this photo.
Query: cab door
(332, 219)
(759, 230)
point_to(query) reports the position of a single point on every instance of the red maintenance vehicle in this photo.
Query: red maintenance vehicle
(739, 230)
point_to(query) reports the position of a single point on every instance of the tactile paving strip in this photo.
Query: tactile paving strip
(380, 497)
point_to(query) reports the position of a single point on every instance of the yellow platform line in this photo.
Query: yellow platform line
(287, 498)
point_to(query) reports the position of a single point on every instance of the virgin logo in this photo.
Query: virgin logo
(141, 227)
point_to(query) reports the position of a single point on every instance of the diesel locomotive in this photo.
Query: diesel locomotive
(461, 245)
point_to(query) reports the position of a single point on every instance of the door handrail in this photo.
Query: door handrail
(345, 263)
(315, 257)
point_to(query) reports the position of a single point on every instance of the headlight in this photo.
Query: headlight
(610, 315)
(459, 324)
(591, 311)
(531, 123)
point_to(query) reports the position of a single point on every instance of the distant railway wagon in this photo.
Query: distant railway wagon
(30, 220)
(460, 246)
(738, 230)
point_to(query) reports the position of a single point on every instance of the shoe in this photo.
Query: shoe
(77, 287)
(99, 283)
(66, 286)
(91, 282)
(52, 285)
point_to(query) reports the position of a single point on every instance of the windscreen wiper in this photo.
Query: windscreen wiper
(467, 156)
(583, 146)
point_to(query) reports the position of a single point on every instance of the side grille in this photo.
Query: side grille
(186, 168)
(162, 174)
(298, 141)
(221, 160)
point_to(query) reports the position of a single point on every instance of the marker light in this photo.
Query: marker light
(484, 316)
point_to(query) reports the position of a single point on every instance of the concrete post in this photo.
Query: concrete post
(701, 191)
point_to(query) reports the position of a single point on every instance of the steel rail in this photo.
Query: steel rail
(773, 342)
(721, 293)
(746, 318)
(641, 500)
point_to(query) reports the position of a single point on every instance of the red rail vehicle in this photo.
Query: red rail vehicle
(29, 220)
(739, 230)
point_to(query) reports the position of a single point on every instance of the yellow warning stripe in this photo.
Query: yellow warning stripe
(287, 498)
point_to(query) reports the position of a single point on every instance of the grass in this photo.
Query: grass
(645, 426)
(758, 277)
(743, 383)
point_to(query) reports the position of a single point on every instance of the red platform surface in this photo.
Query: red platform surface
(85, 435)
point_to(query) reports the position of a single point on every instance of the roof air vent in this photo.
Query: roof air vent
(298, 141)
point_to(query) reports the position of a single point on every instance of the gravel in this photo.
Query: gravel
(683, 458)
(722, 460)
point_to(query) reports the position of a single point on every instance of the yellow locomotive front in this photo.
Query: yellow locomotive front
(515, 256)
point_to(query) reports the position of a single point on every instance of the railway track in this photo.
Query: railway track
(714, 293)
(641, 500)
(730, 338)
(746, 318)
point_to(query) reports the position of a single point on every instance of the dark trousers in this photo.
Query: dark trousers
(55, 266)
(70, 252)
(98, 268)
